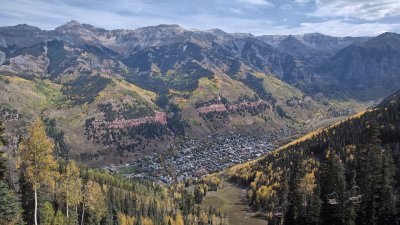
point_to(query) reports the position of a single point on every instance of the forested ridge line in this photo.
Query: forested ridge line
(347, 173)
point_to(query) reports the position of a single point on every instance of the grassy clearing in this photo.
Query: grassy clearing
(207, 90)
(51, 92)
(127, 170)
(22, 95)
(232, 200)
(118, 88)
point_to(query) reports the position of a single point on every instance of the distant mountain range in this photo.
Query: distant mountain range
(314, 47)
(129, 90)
(369, 69)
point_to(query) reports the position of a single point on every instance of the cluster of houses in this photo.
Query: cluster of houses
(196, 158)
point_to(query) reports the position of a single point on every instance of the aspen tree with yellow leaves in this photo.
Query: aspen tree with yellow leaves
(40, 165)
(71, 186)
(58, 192)
(179, 219)
(95, 201)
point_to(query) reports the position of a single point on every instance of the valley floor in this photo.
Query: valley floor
(232, 200)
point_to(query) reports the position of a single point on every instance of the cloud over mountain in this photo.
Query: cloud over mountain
(337, 17)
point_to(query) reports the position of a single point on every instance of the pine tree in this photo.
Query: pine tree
(10, 209)
(295, 210)
(129, 204)
(371, 177)
(3, 165)
(27, 199)
(40, 165)
(350, 209)
(3, 139)
(3, 157)
(112, 211)
(333, 183)
(9, 205)
(387, 208)
(314, 208)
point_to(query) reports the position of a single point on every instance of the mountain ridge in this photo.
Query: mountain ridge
(204, 82)
(366, 66)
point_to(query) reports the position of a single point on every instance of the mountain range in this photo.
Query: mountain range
(132, 91)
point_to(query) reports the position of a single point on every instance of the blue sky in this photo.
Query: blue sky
(333, 17)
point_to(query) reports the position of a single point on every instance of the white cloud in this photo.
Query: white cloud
(206, 21)
(336, 17)
(256, 2)
(304, 1)
(362, 9)
(339, 28)
(129, 15)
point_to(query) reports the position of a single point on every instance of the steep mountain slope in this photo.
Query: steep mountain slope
(81, 100)
(314, 47)
(294, 46)
(367, 69)
(122, 45)
(142, 90)
(346, 173)
(325, 42)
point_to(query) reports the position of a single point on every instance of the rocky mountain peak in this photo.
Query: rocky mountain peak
(216, 31)
(21, 35)
(292, 45)
(163, 28)
(20, 28)
(385, 40)
(291, 40)
(70, 26)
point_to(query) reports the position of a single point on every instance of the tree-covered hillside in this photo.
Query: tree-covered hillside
(37, 186)
(348, 173)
